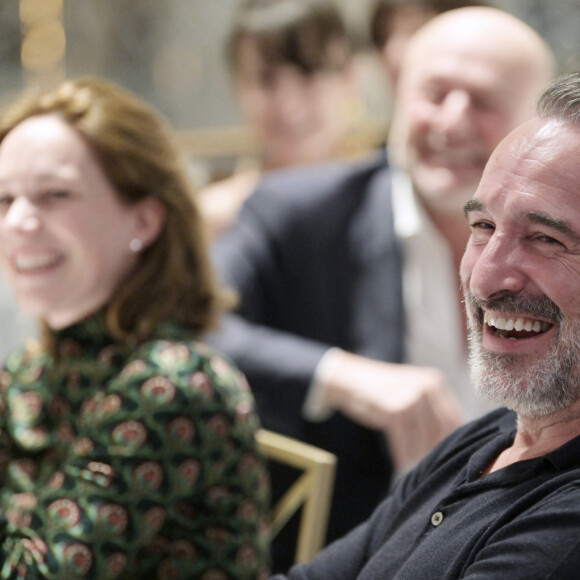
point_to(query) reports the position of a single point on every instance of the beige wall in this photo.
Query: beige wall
(170, 51)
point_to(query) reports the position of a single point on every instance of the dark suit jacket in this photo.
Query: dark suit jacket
(316, 262)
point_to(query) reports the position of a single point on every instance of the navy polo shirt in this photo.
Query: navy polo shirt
(444, 520)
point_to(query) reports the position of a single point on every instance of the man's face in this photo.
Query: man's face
(521, 270)
(457, 98)
(298, 118)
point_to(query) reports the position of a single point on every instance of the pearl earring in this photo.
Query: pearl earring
(136, 245)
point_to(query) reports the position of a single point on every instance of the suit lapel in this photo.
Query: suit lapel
(377, 275)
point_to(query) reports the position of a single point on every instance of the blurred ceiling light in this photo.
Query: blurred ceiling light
(43, 46)
(34, 11)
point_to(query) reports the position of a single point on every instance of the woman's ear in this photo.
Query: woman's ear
(150, 215)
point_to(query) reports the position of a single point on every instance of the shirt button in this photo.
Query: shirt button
(437, 518)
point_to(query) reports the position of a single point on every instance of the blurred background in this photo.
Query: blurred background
(171, 52)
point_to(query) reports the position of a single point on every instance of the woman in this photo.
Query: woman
(128, 446)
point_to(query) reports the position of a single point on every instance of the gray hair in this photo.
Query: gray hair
(561, 100)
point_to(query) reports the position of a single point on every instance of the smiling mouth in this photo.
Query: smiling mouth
(35, 263)
(455, 159)
(515, 328)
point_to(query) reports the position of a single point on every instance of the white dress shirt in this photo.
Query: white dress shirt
(431, 288)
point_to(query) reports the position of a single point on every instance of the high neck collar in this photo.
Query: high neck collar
(91, 335)
(87, 335)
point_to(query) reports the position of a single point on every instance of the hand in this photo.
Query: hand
(413, 405)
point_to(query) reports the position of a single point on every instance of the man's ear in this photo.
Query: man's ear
(150, 216)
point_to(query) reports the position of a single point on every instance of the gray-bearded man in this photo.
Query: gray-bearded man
(500, 498)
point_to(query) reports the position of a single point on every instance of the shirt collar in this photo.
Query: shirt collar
(410, 218)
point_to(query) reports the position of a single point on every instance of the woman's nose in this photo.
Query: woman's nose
(22, 215)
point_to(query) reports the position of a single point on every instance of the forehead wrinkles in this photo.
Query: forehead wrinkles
(549, 170)
(540, 159)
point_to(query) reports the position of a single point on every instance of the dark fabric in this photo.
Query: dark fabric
(316, 262)
(129, 461)
(520, 522)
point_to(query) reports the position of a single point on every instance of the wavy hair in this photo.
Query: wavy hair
(173, 278)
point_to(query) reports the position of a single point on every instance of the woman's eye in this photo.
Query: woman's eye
(54, 195)
(435, 94)
(5, 201)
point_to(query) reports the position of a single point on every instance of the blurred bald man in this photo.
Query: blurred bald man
(350, 328)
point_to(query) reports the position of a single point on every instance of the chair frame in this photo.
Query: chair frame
(242, 141)
(312, 490)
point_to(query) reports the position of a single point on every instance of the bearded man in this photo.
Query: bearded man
(500, 497)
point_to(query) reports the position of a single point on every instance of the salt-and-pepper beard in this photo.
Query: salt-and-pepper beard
(539, 387)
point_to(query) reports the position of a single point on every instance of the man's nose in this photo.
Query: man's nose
(454, 117)
(292, 95)
(497, 269)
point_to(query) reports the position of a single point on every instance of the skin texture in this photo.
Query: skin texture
(62, 263)
(525, 241)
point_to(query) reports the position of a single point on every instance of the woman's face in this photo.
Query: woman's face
(64, 233)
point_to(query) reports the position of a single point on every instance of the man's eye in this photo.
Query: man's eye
(267, 79)
(480, 225)
(549, 240)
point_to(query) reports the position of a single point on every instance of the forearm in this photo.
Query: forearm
(397, 399)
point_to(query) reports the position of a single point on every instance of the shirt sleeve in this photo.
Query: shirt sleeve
(315, 407)
(345, 558)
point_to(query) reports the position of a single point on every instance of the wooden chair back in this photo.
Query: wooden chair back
(312, 490)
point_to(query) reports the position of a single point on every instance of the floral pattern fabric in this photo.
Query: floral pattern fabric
(129, 461)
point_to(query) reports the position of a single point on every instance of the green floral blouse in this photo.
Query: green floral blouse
(122, 461)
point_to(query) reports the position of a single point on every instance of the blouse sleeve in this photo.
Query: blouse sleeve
(157, 475)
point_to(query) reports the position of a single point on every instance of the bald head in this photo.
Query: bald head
(469, 77)
(488, 35)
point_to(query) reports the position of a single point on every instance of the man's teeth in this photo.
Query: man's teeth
(517, 324)
(24, 264)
